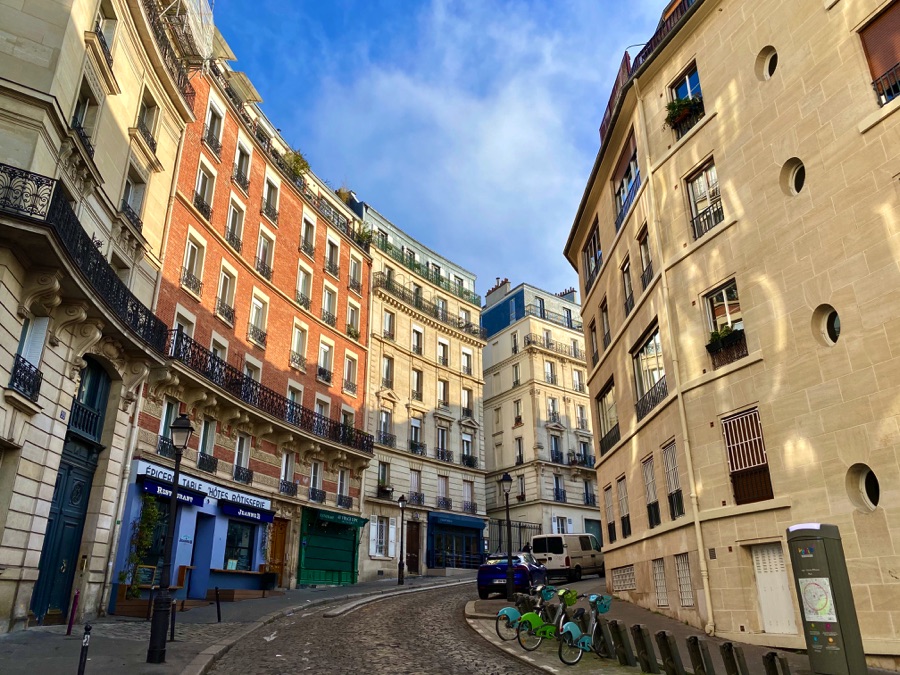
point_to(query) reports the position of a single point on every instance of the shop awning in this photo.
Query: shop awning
(343, 518)
(456, 521)
(244, 511)
(164, 490)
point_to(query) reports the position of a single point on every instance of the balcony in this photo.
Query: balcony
(647, 275)
(423, 271)
(418, 448)
(550, 378)
(83, 136)
(235, 383)
(202, 205)
(257, 334)
(233, 239)
(269, 211)
(470, 461)
(516, 382)
(534, 340)
(316, 495)
(517, 420)
(582, 424)
(467, 412)
(352, 331)
(556, 456)
(728, 349)
(333, 269)
(887, 87)
(579, 387)
(388, 335)
(443, 405)
(329, 318)
(164, 447)
(470, 507)
(629, 303)
(241, 179)
(211, 139)
(559, 495)
(287, 487)
(444, 503)
(610, 438)
(26, 379)
(349, 386)
(323, 374)
(298, 360)
(443, 360)
(147, 135)
(691, 114)
(89, 423)
(520, 497)
(444, 455)
(708, 218)
(579, 459)
(592, 268)
(416, 395)
(104, 45)
(553, 317)
(355, 285)
(519, 460)
(169, 57)
(651, 399)
(417, 350)
(386, 438)
(303, 300)
(224, 311)
(207, 463)
(466, 370)
(629, 200)
(190, 281)
(553, 417)
(131, 216)
(590, 499)
(264, 268)
(387, 382)
(345, 501)
(384, 492)
(416, 499)
(308, 248)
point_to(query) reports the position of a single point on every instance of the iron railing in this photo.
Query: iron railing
(426, 273)
(550, 378)
(593, 272)
(553, 417)
(418, 448)
(629, 199)
(579, 459)
(386, 438)
(164, 447)
(416, 395)
(211, 139)
(416, 499)
(329, 318)
(25, 378)
(147, 135)
(269, 211)
(264, 268)
(191, 281)
(243, 475)
(470, 507)
(647, 275)
(417, 349)
(324, 374)
(470, 461)
(578, 386)
(131, 216)
(349, 386)
(729, 349)
(104, 45)
(887, 86)
(558, 318)
(208, 463)
(355, 285)
(651, 399)
(707, 219)
(298, 360)
(582, 423)
(224, 310)
(87, 421)
(287, 487)
(466, 370)
(316, 495)
(384, 492)
(610, 438)
(333, 269)
(202, 206)
(169, 57)
(303, 300)
(629, 303)
(556, 456)
(444, 503)
(233, 238)
(443, 360)
(590, 499)
(595, 357)
(388, 334)
(241, 179)
(444, 455)
(690, 120)
(308, 248)
(535, 340)
(83, 136)
(467, 412)
(345, 501)
(257, 334)
(607, 338)
(387, 382)
(559, 495)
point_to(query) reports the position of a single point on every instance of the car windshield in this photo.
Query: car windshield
(501, 560)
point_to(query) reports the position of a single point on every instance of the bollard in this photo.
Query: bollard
(85, 643)
(218, 607)
(701, 662)
(668, 650)
(150, 603)
(733, 656)
(644, 647)
(621, 643)
(771, 663)
(608, 650)
(172, 622)
(72, 613)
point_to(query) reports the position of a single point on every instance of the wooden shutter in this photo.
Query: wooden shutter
(881, 41)
(392, 536)
(33, 345)
(373, 535)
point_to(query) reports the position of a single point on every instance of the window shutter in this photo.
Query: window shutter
(881, 41)
(392, 536)
(373, 534)
(624, 159)
(569, 528)
(555, 526)
(34, 340)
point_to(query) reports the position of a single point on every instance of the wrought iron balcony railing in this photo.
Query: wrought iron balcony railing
(352, 331)
(578, 386)
(887, 87)
(355, 285)
(269, 211)
(416, 395)
(211, 139)
(303, 300)
(333, 269)
(324, 374)
(264, 268)
(316, 495)
(241, 179)
(416, 499)
(191, 281)
(388, 334)
(257, 334)
(83, 136)
(647, 275)
(689, 121)
(553, 417)
(595, 357)
(443, 454)
(384, 492)
(308, 247)
(147, 135)
(417, 349)
(607, 338)
(287, 487)
(707, 219)
(556, 456)
(582, 423)
(728, 349)
(558, 318)
(345, 501)
(164, 447)
(349, 386)
(104, 45)
(470, 507)
(651, 399)
(559, 495)
(298, 360)
(233, 238)
(444, 503)
(590, 499)
(629, 303)
(202, 205)
(329, 318)
(26, 378)
(470, 461)
(467, 412)
(517, 420)
(629, 200)
(423, 271)
(550, 378)
(466, 370)
(88, 422)
(519, 460)
(243, 475)
(443, 360)
(387, 382)
(386, 438)
(169, 56)
(580, 459)
(418, 448)
(593, 271)
(207, 463)
(610, 438)
(535, 340)
(224, 311)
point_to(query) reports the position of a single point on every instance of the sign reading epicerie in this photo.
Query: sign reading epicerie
(210, 489)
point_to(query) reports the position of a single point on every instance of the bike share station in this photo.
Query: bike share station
(830, 625)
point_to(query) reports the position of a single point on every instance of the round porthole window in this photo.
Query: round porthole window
(863, 488)
(766, 63)
(826, 325)
(793, 177)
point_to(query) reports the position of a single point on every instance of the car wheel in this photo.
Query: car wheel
(602, 572)
(483, 593)
(577, 574)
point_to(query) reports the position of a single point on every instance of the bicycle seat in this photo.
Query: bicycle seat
(578, 614)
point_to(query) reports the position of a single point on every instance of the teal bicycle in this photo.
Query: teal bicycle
(533, 628)
(507, 622)
(575, 638)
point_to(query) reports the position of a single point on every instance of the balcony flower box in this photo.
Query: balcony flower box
(724, 337)
(385, 491)
(680, 109)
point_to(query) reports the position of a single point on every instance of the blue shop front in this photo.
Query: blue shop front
(221, 536)
(454, 540)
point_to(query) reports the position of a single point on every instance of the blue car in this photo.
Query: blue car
(527, 572)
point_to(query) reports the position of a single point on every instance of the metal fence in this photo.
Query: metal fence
(522, 533)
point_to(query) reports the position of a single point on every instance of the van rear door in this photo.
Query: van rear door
(545, 548)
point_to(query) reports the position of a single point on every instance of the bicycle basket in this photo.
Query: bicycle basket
(568, 596)
(601, 603)
(547, 593)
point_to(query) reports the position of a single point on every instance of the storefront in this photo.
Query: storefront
(220, 535)
(454, 540)
(329, 545)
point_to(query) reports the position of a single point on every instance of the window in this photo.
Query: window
(84, 117)
(443, 353)
(387, 372)
(298, 347)
(242, 167)
(349, 373)
(323, 408)
(415, 431)
(315, 475)
(469, 495)
(559, 524)
(252, 371)
(106, 22)
(555, 452)
(673, 487)
(648, 364)
(332, 253)
(498, 419)
(578, 382)
(646, 261)
(465, 316)
(515, 375)
(653, 517)
(521, 482)
(235, 229)
(539, 304)
(623, 578)
(287, 467)
(442, 438)
(352, 320)
(567, 316)
(747, 459)
(355, 274)
(148, 113)
(326, 361)
(385, 421)
(415, 481)
(515, 342)
(705, 201)
(467, 402)
(31, 344)
(595, 348)
(388, 325)
(329, 306)
(624, 515)
(304, 284)
(591, 256)
(724, 308)
(467, 445)
(270, 202)
(548, 338)
(133, 196)
(207, 436)
(627, 289)
(242, 451)
(659, 582)
(213, 132)
(443, 486)
(264, 249)
(203, 194)
(467, 363)
(683, 571)
(627, 179)
(882, 50)
(440, 304)
(610, 516)
(550, 372)
(258, 315)
(380, 535)
(686, 108)
(308, 241)
(416, 381)
(239, 545)
(192, 271)
(520, 453)
(517, 411)
(443, 393)
(418, 341)
(343, 485)
(348, 417)
(604, 322)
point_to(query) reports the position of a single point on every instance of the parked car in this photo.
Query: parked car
(569, 555)
(527, 572)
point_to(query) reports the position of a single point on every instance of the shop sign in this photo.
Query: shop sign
(165, 491)
(248, 512)
(164, 475)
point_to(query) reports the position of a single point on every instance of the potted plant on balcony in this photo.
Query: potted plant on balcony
(681, 108)
(724, 337)
(385, 491)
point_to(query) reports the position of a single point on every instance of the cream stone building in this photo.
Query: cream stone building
(424, 405)
(537, 414)
(738, 247)
(95, 97)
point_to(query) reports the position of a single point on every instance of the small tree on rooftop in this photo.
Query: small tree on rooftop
(296, 161)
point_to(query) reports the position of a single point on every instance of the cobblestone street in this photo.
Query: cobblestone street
(419, 633)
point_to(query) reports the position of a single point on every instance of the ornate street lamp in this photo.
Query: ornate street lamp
(180, 431)
(401, 502)
(506, 482)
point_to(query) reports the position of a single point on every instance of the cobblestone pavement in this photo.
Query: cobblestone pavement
(418, 633)
(140, 630)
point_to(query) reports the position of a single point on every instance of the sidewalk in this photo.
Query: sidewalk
(482, 613)
(119, 645)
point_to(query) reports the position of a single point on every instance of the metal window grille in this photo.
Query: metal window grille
(623, 578)
(649, 479)
(381, 541)
(608, 501)
(744, 441)
(659, 581)
(622, 489)
(671, 464)
(683, 570)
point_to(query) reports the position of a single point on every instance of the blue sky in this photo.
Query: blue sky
(470, 125)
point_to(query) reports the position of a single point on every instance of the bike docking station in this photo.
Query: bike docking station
(830, 624)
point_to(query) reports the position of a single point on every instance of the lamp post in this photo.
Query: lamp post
(401, 502)
(506, 482)
(180, 431)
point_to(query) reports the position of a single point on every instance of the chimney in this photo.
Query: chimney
(497, 293)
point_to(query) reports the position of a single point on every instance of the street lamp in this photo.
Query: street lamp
(506, 482)
(180, 431)
(401, 502)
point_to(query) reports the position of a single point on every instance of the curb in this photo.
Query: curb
(203, 661)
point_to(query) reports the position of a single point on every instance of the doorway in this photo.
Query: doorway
(277, 546)
(201, 557)
(774, 589)
(413, 544)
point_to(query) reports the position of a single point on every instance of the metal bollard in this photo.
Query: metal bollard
(150, 603)
(644, 647)
(172, 622)
(85, 643)
(701, 662)
(733, 656)
(218, 607)
(608, 651)
(668, 651)
(72, 613)
(621, 643)
(771, 663)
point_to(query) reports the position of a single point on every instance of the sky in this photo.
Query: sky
(472, 126)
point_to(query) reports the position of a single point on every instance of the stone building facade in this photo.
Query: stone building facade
(737, 247)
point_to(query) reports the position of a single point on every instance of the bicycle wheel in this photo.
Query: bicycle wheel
(505, 629)
(569, 652)
(598, 644)
(527, 638)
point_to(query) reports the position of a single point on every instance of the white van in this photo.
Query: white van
(568, 555)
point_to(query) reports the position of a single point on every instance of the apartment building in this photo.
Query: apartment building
(95, 100)
(537, 413)
(737, 250)
(424, 407)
